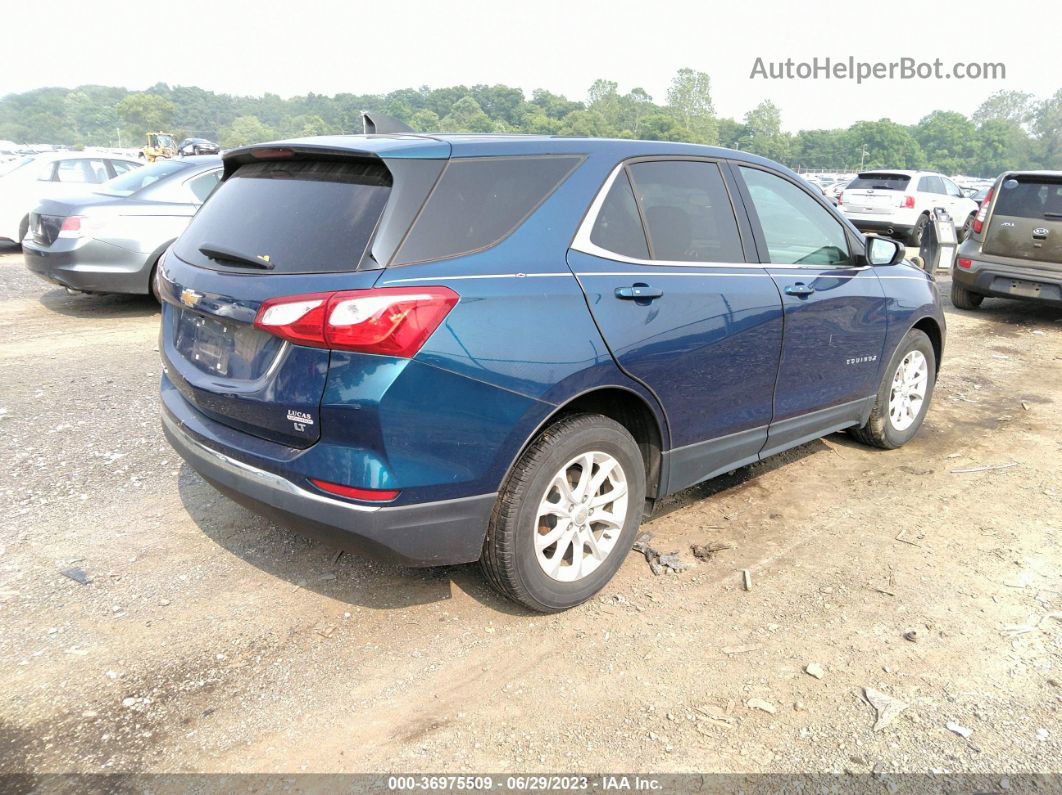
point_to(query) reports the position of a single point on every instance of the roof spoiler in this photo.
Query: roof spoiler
(374, 123)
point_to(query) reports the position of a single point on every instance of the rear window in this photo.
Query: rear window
(294, 216)
(879, 182)
(139, 178)
(1030, 197)
(478, 201)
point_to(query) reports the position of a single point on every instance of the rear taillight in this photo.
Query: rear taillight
(386, 321)
(965, 264)
(908, 203)
(71, 227)
(77, 226)
(982, 212)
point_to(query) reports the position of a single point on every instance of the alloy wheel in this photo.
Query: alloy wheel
(908, 391)
(581, 516)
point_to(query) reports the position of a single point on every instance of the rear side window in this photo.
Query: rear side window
(478, 201)
(879, 182)
(1030, 197)
(687, 211)
(618, 228)
(294, 216)
(136, 180)
(202, 185)
(931, 185)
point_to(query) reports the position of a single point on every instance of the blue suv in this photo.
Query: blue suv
(443, 349)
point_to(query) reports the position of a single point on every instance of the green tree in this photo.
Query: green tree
(245, 130)
(467, 116)
(1047, 131)
(690, 99)
(143, 113)
(948, 140)
(887, 144)
(763, 133)
(1011, 106)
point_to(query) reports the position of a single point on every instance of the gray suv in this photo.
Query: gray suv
(1015, 246)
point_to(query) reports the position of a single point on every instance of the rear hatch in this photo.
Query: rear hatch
(274, 227)
(874, 192)
(1026, 220)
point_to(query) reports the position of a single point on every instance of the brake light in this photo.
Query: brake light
(369, 495)
(71, 227)
(965, 264)
(385, 321)
(270, 154)
(982, 212)
(908, 203)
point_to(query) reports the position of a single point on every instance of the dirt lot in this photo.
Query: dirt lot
(211, 640)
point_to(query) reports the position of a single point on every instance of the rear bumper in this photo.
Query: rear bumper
(423, 534)
(92, 266)
(986, 278)
(879, 224)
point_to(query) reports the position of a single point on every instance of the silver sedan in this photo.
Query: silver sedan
(111, 240)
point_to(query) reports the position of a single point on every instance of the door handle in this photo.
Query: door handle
(799, 289)
(639, 292)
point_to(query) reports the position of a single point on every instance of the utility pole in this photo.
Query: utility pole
(862, 155)
(119, 129)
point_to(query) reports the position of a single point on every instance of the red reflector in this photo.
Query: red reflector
(264, 154)
(908, 202)
(385, 321)
(965, 264)
(71, 224)
(369, 495)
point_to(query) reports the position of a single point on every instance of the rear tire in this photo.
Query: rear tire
(914, 238)
(961, 298)
(897, 414)
(591, 540)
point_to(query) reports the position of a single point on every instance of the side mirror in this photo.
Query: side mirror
(883, 250)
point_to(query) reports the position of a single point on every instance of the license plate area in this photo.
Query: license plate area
(224, 348)
(1023, 288)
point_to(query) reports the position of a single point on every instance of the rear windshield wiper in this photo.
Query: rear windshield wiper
(1052, 215)
(220, 254)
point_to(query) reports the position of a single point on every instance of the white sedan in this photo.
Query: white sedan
(27, 180)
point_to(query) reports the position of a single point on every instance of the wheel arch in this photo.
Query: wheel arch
(931, 328)
(631, 410)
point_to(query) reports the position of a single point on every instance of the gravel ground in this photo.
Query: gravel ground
(210, 640)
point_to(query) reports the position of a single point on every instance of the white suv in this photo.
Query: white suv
(899, 203)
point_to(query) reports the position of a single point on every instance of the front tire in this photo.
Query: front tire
(967, 228)
(904, 395)
(961, 298)
(23, 229)
(567, 515)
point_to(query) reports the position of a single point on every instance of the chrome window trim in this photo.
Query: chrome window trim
(582, 243)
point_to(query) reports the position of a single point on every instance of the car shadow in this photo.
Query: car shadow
(99, 306)
(319, 567)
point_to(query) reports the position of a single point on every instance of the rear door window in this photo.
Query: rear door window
(478, 201)
(1030, 197)
(880, 182)
(289, 216)
(82, 171)
(687, 211)
(618, 228)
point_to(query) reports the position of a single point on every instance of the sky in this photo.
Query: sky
(375, 46)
